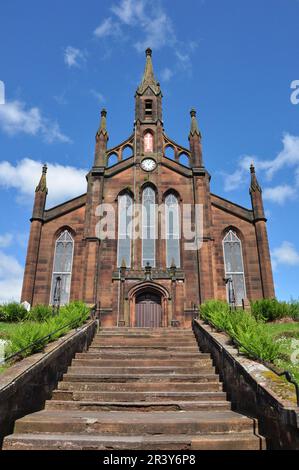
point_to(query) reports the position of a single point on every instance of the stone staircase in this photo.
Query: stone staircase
(138, 389)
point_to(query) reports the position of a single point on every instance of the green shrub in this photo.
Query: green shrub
(294, 309)
(69, 317)
(269, 309)
(40, 313)
(25, 334)
(12, 312)
(243, 328)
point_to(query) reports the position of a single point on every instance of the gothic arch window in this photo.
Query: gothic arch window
(125, 213)
(184, 159)
(62, 268)
(169, 152)
(127, 152)
(148, 227)
(148, 142)
(172, 227)
(112, 159)
(234, 267)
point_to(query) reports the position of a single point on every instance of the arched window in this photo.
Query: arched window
(62, 268)
(112, 159)
(148, 142)
(234, 268)
(148, 227)
(172, 226)
(127, 152)
(184, 159)
(169, 152)
(125, 213)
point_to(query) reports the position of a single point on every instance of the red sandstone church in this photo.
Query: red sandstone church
(147, 281)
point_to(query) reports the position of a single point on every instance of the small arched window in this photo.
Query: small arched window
(172, 226)
(234, 267)
(62, 268)
(148, 142)
(112, 159)
(184, 159)
(148, 227)
(125, 213)
(169, 152)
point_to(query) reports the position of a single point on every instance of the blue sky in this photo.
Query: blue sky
(233, 60)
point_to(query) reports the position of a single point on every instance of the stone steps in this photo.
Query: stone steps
(131, 396)
(135, 389)
(144, 406)
(209, 383)
(133, 423)
(233, 441)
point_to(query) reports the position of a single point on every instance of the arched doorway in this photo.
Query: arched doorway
(148, 310)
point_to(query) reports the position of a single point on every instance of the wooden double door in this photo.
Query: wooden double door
(148, 311)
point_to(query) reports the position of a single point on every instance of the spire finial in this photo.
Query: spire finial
(254, 185)
(42, 185)
(103, 123)
(148, 79)
(194, 125)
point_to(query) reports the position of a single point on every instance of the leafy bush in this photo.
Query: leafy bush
(243, 328)
(70, 316)
(12, 312)
(40, 313)
(272, 309)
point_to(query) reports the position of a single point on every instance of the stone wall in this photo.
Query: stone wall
(249, 391)
(25, 386)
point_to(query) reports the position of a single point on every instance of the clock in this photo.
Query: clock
(148, 164)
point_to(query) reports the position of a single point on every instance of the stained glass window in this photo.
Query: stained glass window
(234, 267)
(62, 268)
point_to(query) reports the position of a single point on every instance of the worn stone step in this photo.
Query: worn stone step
(130, 329)
(133, 423)
(152, 342)
(231, 441)
(208, 383)
(152, 371)
(142, 406)
(126, 349)
(85, 376)
(152, 363)
(83, 394)
(175, 355)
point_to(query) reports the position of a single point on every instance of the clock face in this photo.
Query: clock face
(148, 164)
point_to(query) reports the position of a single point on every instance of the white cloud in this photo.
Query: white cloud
(279, 194)
(5, 240)
(99, 96)
(107, 28)
(285, 254)
(151, 24)
(64, 182)
(11, 276)
(166, 74)
(16, 118)
(74, 57)
(287, 157)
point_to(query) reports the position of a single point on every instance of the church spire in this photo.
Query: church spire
(148, 79)
(194, 125)
(42, 185)
(255, 192)
(195, 141)
(102, 138)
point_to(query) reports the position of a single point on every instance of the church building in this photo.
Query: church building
(160, 277)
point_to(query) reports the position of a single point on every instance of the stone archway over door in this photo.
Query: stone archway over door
(148, 310)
